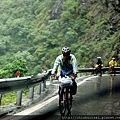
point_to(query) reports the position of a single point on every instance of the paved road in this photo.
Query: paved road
(95, 96)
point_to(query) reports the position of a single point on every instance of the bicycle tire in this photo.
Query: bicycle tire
(62, 102)
(69, 101)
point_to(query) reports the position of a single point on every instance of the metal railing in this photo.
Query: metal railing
(20, 83)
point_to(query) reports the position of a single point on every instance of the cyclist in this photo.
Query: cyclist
(98, 66)
(68, 66)
(112, 63)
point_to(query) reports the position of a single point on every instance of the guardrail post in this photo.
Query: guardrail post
(31, 92)
(44, 82)
(39, 89)
(42, 86)
(19, 97)
(51, 80)
(0, 99)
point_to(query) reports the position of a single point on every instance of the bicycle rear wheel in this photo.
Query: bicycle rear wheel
(69, 101)
(62, 102)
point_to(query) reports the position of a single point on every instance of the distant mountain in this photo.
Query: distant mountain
(36, 30)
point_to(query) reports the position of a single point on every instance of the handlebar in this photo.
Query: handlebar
(72, 76)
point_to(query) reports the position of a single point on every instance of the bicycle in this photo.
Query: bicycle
(65, 100)
(98, 70)
(111, 70)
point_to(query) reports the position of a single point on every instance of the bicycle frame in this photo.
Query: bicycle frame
(111, 70)
(98, 70)
(65, 101)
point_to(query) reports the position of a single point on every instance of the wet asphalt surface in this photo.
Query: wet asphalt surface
(97, 96)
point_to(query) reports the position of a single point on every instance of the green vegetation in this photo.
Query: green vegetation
(34, 31)
(11, 97)
(10, 69)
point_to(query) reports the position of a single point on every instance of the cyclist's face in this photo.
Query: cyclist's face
(66, 56)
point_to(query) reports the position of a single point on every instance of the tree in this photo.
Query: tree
(9, 71)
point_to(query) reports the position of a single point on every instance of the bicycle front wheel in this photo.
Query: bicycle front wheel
(62, 103)
(69, 101)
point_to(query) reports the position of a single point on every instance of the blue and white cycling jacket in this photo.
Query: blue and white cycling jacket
(67, 67)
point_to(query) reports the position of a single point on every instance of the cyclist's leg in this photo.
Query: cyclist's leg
(96, 71)
(74, 88)
(59, 91)
(114, 71)
(110, 70)
(100, 71)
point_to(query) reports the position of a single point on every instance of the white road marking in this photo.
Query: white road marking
(36, 107)
(85, 80)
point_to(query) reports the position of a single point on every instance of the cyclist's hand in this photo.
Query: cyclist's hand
(53, 76)
(73, 76)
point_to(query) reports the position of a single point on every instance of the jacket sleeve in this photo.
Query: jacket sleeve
(74, 64)
(56, 64)
(110, 63)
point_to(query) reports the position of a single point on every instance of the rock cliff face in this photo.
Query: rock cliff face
(56, 9)
(115, 18)
(107, 4)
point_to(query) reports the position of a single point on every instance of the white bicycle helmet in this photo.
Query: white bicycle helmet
(98, 57)
(113, 58)
(66, 50)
